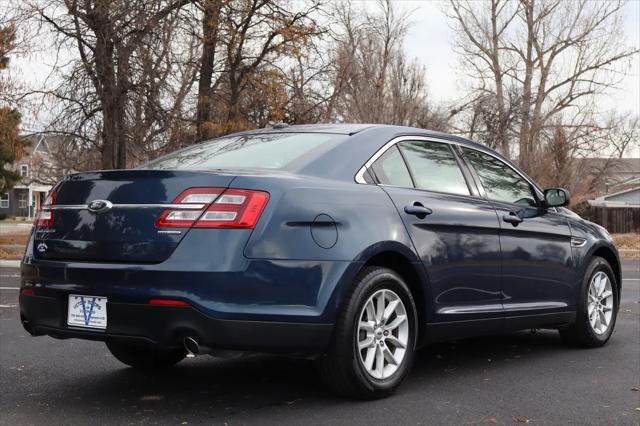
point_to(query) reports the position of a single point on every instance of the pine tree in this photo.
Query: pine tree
(11, 146)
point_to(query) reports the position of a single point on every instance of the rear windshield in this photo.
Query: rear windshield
(268, 151)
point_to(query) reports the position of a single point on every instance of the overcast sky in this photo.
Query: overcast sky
(429, 40)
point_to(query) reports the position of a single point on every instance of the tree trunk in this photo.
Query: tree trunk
(210, 25)
(525, 141)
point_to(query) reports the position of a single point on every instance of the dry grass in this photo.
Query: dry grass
(11, 254)
(13, 239)
(628, 245)
(627, 241)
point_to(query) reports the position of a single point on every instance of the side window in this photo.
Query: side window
(434, 167)
(501, 182)
(390, 169)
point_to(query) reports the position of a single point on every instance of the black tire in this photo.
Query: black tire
(145, 357)
(340, 368)
(581, 333)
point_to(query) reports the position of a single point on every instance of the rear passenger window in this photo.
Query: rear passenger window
(500, 181)
(390, 169)
(434, 167)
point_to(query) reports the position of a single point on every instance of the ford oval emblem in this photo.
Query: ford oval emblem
(99, 206)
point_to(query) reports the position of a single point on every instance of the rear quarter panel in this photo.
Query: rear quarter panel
(315, 219)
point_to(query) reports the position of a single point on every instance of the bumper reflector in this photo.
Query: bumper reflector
(169, 302)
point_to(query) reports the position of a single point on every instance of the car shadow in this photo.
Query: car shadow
(254, 383)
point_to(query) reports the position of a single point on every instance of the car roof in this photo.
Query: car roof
(355, 128)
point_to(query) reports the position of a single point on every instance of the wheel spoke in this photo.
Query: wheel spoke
(602, 284)
(371, 311)
(391, 307)
(380, 307)
(379, 361)
(366, 326)
(606, 294)
(395, 342)
(396, 322)
(590, 309)
(371, 356)
(598, 324)
(592, 319)
(607, 308)
(603, 320)
(389, 356)
(367, 342)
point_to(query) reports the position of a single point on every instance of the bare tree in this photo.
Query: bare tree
(556, 56)
(248, 37)
(623, 133)
(108, 36)
(376, 81)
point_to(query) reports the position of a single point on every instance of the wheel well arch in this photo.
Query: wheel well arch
(413, 275)
(609, 255)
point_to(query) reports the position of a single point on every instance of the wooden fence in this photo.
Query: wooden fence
(617, 220)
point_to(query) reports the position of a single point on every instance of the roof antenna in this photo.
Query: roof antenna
(279, 125)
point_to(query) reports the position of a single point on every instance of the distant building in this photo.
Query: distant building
(38, 173)
(627, 198)
(617, 207)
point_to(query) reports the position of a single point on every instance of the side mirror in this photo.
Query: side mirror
(556, 197)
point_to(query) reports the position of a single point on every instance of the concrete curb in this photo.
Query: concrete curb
(9, 263)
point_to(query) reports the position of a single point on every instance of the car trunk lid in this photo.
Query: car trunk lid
(110, 216)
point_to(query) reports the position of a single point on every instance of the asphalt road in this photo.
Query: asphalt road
(511, 379)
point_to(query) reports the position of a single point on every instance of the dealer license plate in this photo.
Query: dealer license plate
(87, 311)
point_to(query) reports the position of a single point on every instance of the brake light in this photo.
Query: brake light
(45, 216)
(215, 208)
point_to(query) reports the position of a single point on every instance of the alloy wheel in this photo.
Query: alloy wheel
(600, 303)
(383, 334)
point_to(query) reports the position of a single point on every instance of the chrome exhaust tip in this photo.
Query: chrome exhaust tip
(192, 346)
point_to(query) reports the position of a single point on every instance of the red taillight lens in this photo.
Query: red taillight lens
(44, 219)
(188, 207)
(27, 292)
(235, 208)
(169, 302)
(215, 208)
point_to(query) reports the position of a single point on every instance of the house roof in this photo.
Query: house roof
(626, 198)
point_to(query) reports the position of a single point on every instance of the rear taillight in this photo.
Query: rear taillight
(44, 219)
(215, 208)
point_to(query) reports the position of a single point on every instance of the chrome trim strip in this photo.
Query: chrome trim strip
(506, 307)
(359, 177)
(472, 309)
(129, 206)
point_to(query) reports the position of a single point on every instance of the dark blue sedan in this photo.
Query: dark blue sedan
(350, 244)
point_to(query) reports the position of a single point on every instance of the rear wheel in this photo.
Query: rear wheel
(374, 340)
(597, 307)
(145, 356)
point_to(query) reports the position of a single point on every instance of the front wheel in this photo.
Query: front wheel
(145, 356)
(374, 340)
(597, 307)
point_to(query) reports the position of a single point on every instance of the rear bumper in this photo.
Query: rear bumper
(168, 326)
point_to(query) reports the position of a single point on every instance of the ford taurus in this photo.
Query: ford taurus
(349, 244)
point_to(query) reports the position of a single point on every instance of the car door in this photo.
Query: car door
(537, 272)
(452, 228)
